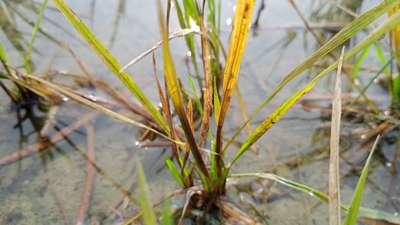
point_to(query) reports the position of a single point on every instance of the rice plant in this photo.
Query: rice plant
(202, 156)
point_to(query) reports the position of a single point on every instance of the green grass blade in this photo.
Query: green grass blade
(195, 95)
(217, 104)
(289, 183)
(149, 217)
(352, 215)
(189, 39)
(166, 216)
(175, 172)
(3, 54)
(27, 61)
(282, 109)
(110, 61)
(357, 63)
(341, 37)
(191, 10)
(382, 59)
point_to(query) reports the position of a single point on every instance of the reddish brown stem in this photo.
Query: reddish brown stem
(40, 146)
(89, 177)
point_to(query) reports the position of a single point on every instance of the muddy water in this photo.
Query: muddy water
(47, 188)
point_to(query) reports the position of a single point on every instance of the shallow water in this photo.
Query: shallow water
(47, 188)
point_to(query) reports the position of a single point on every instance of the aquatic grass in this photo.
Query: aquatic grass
(218, 171)
(199, 153)
(359, 60)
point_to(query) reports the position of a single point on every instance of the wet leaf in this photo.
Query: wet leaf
(110, 61)
(38, 85)
(175, 172)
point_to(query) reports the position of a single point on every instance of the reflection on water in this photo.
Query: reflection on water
(47, 188)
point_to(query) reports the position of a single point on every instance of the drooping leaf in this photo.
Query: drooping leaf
(38, 85)
(110, 61)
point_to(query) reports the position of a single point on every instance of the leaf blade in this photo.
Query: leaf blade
(110, 61)
(351, 218)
